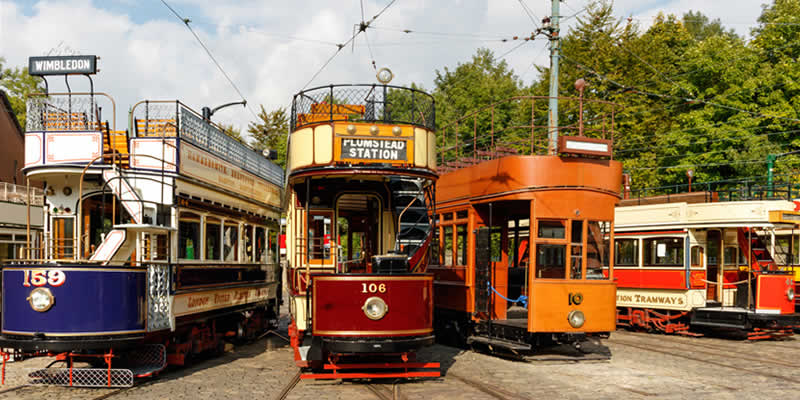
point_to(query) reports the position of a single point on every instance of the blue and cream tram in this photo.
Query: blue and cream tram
(160, 241)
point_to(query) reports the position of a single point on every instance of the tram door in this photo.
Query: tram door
(358, 220)
(713, 264)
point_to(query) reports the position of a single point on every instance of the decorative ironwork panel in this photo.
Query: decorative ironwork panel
(81, 377)
(63, 113)
(364, 103)
(159, 303)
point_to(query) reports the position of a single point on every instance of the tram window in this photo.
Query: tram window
(461, 244)
(448, 245)
(696, 257)
(435, 260)
(786, 250)
(447, 216)
(730, 255)
(496, 245)
(230, 241)
(552, 229)
(663, 252)
(576, 250)
(261, 245)
(189, 236)
(626, 252)
(272, 247)
(319, 233)
(596, 248)
(550, 260)
(213, 234)
(462, 214)
(248, 243)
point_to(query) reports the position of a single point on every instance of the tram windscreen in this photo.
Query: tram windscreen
(596, 248)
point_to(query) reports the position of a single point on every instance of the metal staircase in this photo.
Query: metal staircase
(414, 224)
(752, 244)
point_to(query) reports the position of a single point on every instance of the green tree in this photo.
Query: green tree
(18, 84)
(269, 132)
(701, 28)
(232, 131)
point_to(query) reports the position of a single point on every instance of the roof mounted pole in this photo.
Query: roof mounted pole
(552, 115)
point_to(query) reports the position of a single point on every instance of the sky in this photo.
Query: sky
(271, 49)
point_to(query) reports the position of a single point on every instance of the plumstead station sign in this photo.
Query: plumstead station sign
(62, 65)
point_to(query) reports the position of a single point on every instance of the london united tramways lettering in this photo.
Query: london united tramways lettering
(650, 299)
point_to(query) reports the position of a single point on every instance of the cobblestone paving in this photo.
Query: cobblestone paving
(643, 366)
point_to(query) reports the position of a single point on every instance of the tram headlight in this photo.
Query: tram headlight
(576, 318)
(790, 294)
(375, 308)
(41, 299)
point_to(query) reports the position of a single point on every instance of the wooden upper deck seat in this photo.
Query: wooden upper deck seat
(156, 127)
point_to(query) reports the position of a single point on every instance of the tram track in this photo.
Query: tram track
(491, 390)
(284, 393)
(676, 352)
(729, 351)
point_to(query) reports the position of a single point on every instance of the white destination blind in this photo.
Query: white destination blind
(374, 149)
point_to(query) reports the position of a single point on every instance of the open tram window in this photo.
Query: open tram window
(447, 247)
(550, 261)
(213, 236)
(663, 252)
(260, 245)
(435, 255)
(319, 236)
(597, 248)
(626, 253)
(786, 252)
(461, 244)
(248, 244)
(576, 250)
(230, 241)
(731, 253)
(189, 236)
(272, 247)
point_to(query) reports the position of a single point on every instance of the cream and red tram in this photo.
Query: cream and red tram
(698, 265)
(361, 169)
(519, 242)
(160, 241)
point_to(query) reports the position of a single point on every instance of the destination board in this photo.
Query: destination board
(374, 149)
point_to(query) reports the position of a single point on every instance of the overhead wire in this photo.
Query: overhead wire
(529, 12)
(186, 22)
(364, 26)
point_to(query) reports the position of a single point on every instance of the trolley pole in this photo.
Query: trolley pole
(552, 115)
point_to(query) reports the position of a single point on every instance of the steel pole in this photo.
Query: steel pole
(552, 115)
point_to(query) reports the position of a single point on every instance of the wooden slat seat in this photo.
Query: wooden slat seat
(156, 127)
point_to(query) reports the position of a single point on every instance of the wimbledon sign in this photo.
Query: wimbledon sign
(62, 65)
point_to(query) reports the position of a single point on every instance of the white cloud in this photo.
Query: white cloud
(149, 54)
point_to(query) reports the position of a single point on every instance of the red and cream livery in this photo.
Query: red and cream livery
(707, 265)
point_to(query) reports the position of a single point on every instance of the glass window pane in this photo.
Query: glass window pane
(230, 239)
(448, 245)
(189, 236)
(462, 214)
(576, 250)
(550, 261)
(552, 229)
(248, 243)
(261, 245)
(596, 248)
(696, 257)
(663, 252)
(626, 252)
(435, 260)
(461, 245)
(213, 234)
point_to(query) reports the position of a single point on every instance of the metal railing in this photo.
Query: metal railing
(19, 194)
(363, 103)
(67, 112)
(174, 119)
(515, 126)
(725, 190)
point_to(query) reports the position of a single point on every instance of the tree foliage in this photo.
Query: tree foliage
(269, 132)
(18, 84)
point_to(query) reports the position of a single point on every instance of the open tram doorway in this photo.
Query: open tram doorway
(359, 227)
(713, 266)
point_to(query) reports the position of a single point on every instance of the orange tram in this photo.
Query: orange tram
(519, 246)
(361, 170)
(691, 264)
